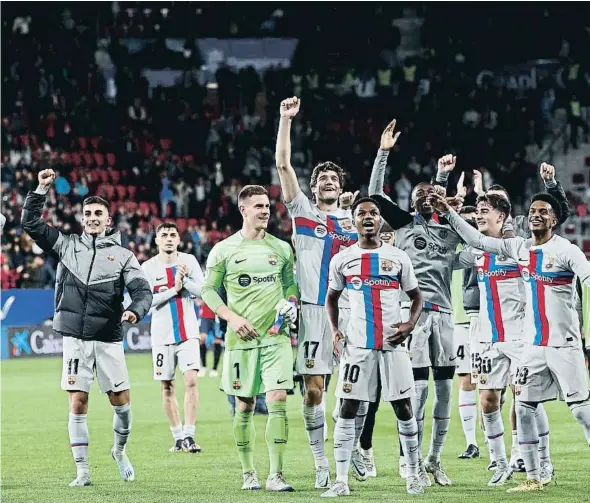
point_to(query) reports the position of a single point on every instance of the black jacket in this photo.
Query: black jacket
(92, 275)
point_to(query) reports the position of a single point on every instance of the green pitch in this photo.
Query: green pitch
(37, 464)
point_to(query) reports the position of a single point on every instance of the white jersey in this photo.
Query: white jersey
(318, 236)
(548, 271)
(374, 279)
(502, 298)
(174, 318)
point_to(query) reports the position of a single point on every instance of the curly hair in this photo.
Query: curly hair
(326, 166)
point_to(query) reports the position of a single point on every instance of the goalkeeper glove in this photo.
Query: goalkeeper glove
(286, 313)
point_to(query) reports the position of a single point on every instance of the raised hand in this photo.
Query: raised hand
(461, 189)
(290, 107)
(46, 178)
(346, 199)
(547, 171)
(446, 163)
(478, 183)
(388, 138)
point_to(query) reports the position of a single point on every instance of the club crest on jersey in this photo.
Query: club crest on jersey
(111, 258)
(310, 364)
(517, 389)
(346, 224)
(71, 380)
(386, 265)
(347, 388)
(483, 379)
(273, 259)
(320, 231)
(549, 261)
(236, 385)
(443, 233)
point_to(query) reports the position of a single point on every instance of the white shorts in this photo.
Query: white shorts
(315, 351)
(185, 354)
(431, 342)
(546, 373)
(82, 358)
(464, 337)
(497, 363)
(361, 369)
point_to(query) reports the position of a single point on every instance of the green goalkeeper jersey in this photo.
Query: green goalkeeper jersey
(256, 275)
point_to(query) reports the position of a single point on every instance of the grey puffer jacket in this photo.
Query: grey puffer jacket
(92, 275)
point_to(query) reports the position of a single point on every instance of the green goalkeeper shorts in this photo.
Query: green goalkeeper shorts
(249, 372)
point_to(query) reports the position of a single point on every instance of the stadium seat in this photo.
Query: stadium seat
(165, 144)
(115, 175)
(88, 159)
(154, 209)
(83, 143)
(111, 159)
(586, 246)
(121, 192)
(144, 207)
(95, 142)
(193, 221)
(182, 225)
(76, 159)
(103, 175)
(99, 159)
(274, 191)
(132, 189)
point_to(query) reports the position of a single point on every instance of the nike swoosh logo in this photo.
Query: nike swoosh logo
(119, 384)
(160, 279)
(572, 394)
(281, 382)
(240, 261)
(405, 390)
(452, 359)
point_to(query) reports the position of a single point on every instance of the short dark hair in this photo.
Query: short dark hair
(251, 190)
(497, 202)
(467, 209)
(167, 225)
(97, 200)
(548, 198)
(362, 200)
(326, 166)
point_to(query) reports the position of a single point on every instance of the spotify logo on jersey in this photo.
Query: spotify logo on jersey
(244, 280)
(420, 243)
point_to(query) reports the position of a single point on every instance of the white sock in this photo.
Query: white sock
(528, 439)
(581, 412)
(313, 418)
(441, 417)
(323, 406)
(359, 422)
(408, 434)
(343, 445)
(121, 426)
(419, 406)
(495, 434)
(177, 432)
(515, 448)
(543, 429)
(468, 414)
(189, 430)
(78, 430)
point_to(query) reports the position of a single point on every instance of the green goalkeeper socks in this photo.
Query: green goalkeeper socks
(277, 433)
(244, 434)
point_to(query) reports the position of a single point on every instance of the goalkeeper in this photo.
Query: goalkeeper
(256, 270)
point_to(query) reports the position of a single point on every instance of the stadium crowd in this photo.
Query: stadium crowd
(75, 99)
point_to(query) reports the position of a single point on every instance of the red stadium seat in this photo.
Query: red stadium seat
(99, 159)
(121, 192)
(115, 176)
(88, 159)
(154, 209)
(111, 159)
(586, 246)
(76, 159)
(165, 144)
(181, 222)
(144, 208)
(24, 141)
(274, 191)
(103, 175)
(95, 142)
(132, 189)
(193, 221)
(83, 142)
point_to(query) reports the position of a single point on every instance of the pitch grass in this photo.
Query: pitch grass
(37, 464)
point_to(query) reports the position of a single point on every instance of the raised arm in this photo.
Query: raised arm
(287, 175)
(472, 236)
(139, 289)
(48, 238)
(554, 188)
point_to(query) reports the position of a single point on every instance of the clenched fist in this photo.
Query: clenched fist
(46, 178)
(290, 107)
(446, 163)
(547, 171)
(346, 199)
(129, 317)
